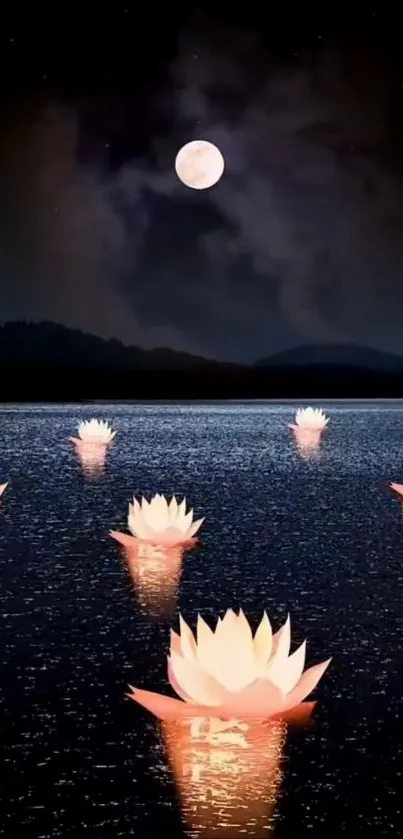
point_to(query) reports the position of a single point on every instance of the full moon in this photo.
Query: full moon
(199, 164)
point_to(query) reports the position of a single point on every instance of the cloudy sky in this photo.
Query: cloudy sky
(300, 242)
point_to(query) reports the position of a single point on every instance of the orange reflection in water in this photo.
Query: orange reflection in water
(308, 451)
(155, 572)
(307, 438)
(307, 441)
(228, 774)
(92, 458)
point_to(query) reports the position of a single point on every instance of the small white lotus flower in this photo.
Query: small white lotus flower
(2, 488)
(95, 431)
(311, 418)
(160, 522)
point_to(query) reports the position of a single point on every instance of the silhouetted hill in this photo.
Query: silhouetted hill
(42, 362)
(346, 356)
(51, 345)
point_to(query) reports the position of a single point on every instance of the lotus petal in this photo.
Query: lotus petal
(175, 684)
(234, 662)
(397, 488)
(144, 504)
(173, 508)
(139, 528)
(184, 523)
(205, 643)
(286, 673)
(155, 516)
(263, 641)
(165, 708)
(259, 700)
(281, 643)
(123, 538)
(175, 645)
(306, 684)
(187, 640)
(196, 682)
(168, 538)
(194, 528)
(182, 507)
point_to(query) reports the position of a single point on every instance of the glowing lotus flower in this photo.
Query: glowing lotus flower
(308, 427)
(159, 522)
(231, 674)
(312, 418)
(2, 488)
(96, 432)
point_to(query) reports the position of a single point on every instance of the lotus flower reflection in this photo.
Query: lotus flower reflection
(92, 459)
(94, 433)
(228, 780)
(159, 522)
(231, 674)
(2, 488)
(155, 572)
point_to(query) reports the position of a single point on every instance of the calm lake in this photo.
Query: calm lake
(317, 535)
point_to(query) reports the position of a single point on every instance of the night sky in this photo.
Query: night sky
(302, 239)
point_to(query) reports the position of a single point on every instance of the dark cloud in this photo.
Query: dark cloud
(72, 231)
(310, 189)
(68, 233)
(300, 240)
(312, 196)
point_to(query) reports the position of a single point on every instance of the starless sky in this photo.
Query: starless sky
(302, 239)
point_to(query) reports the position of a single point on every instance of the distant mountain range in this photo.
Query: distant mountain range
(334, 355)
(50, 345)
(41, 361)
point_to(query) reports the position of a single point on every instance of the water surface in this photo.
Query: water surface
(319, 537)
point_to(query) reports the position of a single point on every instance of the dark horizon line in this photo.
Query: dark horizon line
(308, 400)
(302, 347)
(42, 383)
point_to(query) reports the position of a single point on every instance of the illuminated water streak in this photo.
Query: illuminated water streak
(228, 775)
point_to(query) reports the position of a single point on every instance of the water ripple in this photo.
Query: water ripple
(319, 537)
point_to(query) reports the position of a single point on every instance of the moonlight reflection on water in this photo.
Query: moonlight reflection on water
(320, 537)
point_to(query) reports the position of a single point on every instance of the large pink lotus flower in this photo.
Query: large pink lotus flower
(159, 522)
(230, 674)
(3, 487)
